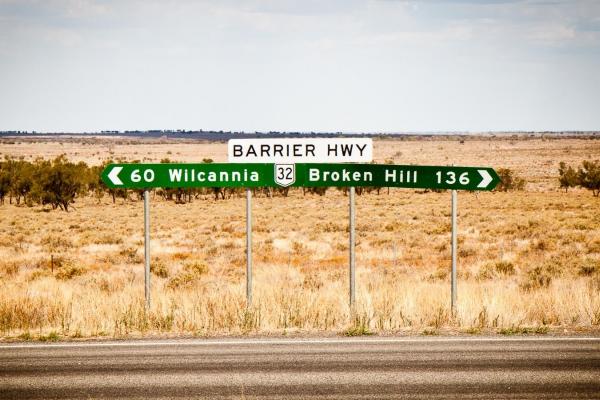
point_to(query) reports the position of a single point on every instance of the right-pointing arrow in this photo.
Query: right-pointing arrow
(487, 178)
(113, 175)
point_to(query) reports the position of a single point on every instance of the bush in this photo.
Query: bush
(567, 176)
(586, 176)
(541, 275)
(130, 255)
(505, 268)
(196, 268)
(159, 269)
(509, 181)
(68, 272)
(589, 268)
(8, 269)
(58, 182)
(189, 274)
(493, 270)
(360, 327)
(589, 176)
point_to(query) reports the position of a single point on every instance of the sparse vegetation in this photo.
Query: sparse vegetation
(524, 330)
(567, 176)
(509, 181)
(528, 260)
(360, 327)
(587, 176)
(68, 272)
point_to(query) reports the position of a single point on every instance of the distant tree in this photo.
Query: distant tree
(4, 182)
(94, 182)
(283, 191)
(509, 181)
(58, 182)
(320, 190)
(589, 176)
(567, 176)
(22, 180)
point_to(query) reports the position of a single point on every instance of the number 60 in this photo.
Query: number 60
(148, 175)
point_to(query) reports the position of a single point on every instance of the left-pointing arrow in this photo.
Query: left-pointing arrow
(113, 175)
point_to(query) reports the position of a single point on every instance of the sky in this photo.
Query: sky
(306, 65)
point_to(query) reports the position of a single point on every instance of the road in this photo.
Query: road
(353, 368)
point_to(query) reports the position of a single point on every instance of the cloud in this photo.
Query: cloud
(343, 63)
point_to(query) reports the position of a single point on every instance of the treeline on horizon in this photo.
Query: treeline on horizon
(225, 135)
(59, 182)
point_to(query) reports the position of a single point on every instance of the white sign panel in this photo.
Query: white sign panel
(300, 150)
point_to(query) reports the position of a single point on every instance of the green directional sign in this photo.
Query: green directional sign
(143, 176)
(408, 176)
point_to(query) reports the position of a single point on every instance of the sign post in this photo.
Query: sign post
(147, 248)
(286, 152)
(351, 248)
(248, 248)
(453, 275)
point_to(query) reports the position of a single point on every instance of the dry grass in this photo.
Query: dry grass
(528, 261)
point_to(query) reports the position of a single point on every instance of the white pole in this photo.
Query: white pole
(352, 256)
(147, 247)
(453, 276)
(248, 248)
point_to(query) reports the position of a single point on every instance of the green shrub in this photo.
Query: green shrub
(196, 268)
(509, 181)
(50, 337)
(159, 269)
(68, 272)
(360, 327)
(9, 269)
(567, 176)
(589, 267)
(189, 274)
(130, 254)
(54, 243)
(541, 276)
(589, 176)
(439, 275)
(493, 270)
(505, 268)
(524, 330)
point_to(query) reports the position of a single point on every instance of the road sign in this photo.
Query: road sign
(300, 150)
(143, 176)
(408, 176)
(285, 174)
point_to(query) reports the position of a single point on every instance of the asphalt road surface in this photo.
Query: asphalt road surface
(465, 368)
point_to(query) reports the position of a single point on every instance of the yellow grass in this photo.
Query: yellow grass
(528, 261)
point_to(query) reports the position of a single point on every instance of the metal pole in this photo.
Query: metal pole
(352, 257)
(248, 248)
(453, 275)
(147, 247)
